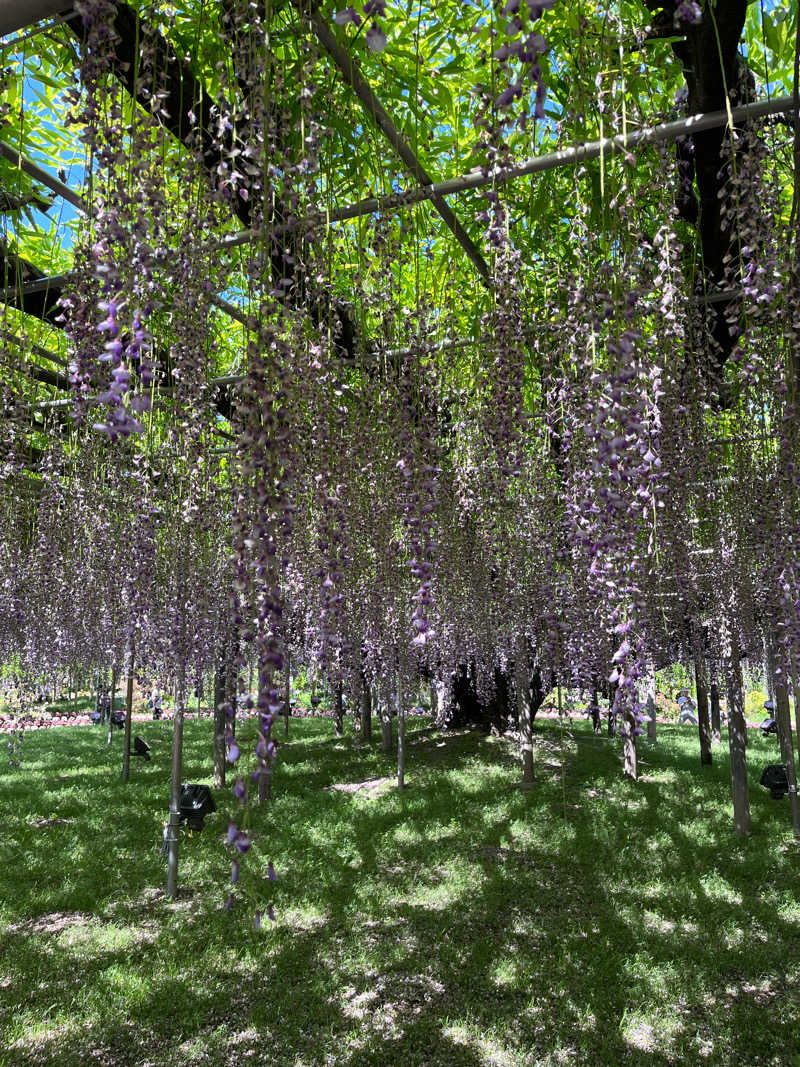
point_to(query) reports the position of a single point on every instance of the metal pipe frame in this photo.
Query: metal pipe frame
(42, 176)
(18, 14)
(373, 107)
(482, 178)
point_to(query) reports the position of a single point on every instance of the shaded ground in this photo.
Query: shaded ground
(588, 921)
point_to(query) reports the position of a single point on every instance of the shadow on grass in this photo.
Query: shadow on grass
(590, 920)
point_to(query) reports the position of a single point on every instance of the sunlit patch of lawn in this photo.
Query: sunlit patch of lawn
(463, 922)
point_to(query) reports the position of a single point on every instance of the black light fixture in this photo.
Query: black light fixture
(197, 801)
(776, 779)
(141, 748)
(769, 725)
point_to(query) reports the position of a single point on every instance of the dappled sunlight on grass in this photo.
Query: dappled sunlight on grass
(464, 921)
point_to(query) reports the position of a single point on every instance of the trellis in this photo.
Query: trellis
(46, 289)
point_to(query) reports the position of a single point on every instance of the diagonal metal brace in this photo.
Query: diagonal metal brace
(344, 61)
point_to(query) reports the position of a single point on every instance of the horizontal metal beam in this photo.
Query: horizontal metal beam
(41, 176)
(17, 14)
(43, 375)
(482, 177)
(56, 282)
(59, 281)
(51, 282)
(31, 346)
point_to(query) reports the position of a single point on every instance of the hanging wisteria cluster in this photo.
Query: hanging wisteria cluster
(581, 478)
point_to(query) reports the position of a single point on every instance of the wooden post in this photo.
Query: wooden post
(173, 824)
(716, 718)
(126, 750)
(522, 685)
(701, 684)
(737, 730)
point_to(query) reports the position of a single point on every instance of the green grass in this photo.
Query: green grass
(466, 922)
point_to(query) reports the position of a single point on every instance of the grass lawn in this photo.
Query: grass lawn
(466, 922)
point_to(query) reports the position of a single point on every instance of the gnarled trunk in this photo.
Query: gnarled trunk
(630, 761)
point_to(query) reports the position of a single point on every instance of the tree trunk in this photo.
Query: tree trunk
(126, 749)
(522, 685)
(595, 711)
(265, 783)
(701, 684)
(264, 765)
(737, 731)
(111, 705)
(796, 702)
(784, 720)
(630, 762)
(650, 702)
(175, 789)
(443, 691)
(287, 693)
(401, 737)
(222, 689)
(769, 670)
(716, 718)
(338, 711)
(385, 712)
(366, 710)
